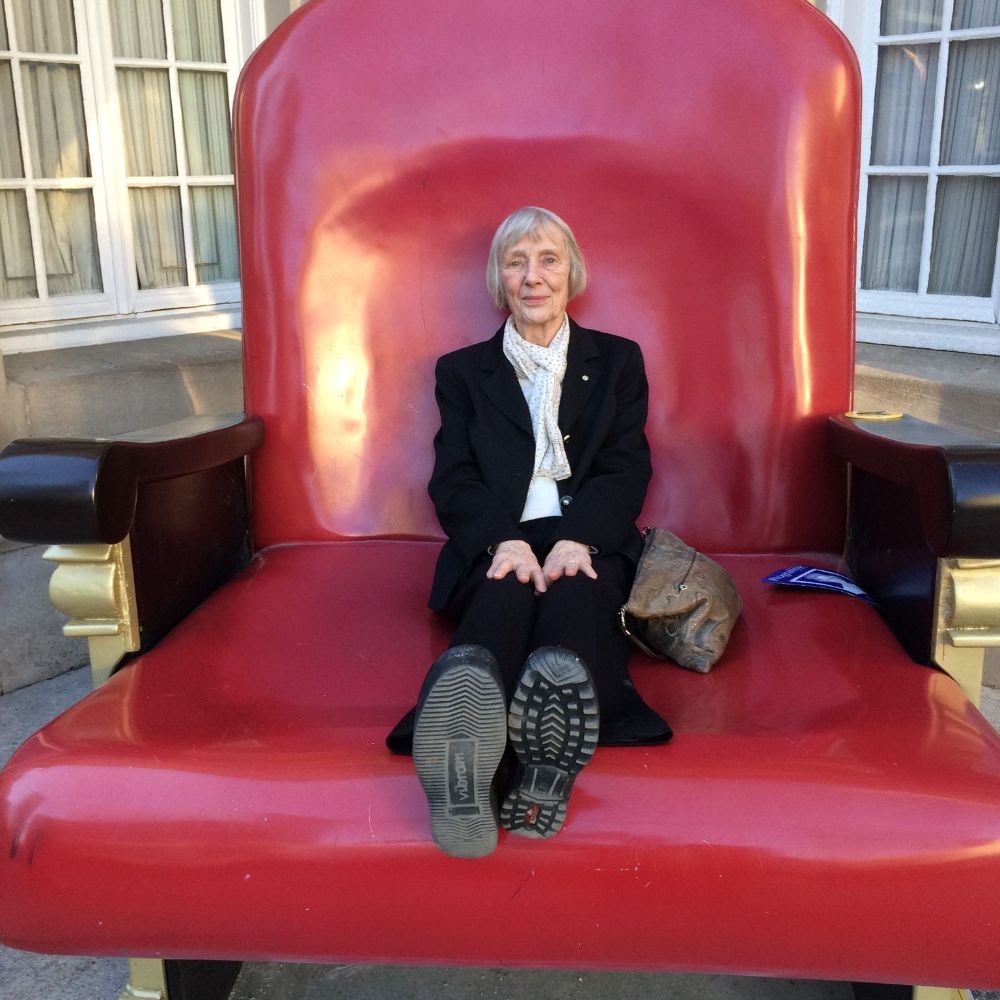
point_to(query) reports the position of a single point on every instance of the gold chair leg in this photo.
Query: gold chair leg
(966, 619)
(940, 993)
(93, 584)
(147, 980)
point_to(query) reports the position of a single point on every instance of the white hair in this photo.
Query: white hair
(531, 221)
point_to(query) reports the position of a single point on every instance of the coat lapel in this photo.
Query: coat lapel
(501, 386)
(583, 373)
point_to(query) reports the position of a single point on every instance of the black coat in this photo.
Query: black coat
(485, 451)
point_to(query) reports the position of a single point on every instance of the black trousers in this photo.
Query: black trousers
(576, 612)
(510, 620)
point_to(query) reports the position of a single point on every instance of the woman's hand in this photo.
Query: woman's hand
(567, 559)
(516, 556)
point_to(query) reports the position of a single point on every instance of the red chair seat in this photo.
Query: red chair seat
(827, 806)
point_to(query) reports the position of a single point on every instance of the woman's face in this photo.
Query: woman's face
(535, 274)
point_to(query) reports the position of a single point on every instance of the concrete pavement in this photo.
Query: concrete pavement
(25, 976)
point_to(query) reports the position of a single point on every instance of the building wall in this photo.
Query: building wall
(133, 239)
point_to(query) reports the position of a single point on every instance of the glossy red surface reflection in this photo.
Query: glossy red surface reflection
(827, 809)
(231, 796)
(707, 162)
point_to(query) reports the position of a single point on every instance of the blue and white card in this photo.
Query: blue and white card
(818, 579)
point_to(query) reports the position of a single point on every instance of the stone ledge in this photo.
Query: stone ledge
(960, 390)
(112, 388)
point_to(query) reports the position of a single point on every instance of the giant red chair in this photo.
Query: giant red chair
(830, 805)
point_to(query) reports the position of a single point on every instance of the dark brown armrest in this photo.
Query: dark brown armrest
(918, 493)
(68, 490)
(955, 477)
(177, 493)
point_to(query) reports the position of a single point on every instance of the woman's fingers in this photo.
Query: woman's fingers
(567, 559)
(506, 558)
(515, 556)
(499, 568)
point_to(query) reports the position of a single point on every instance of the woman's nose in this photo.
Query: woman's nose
(531, 272)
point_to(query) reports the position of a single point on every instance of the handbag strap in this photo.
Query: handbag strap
(635, 638)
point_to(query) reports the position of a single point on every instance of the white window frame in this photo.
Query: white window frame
(920, 304)
(132, 298)
(58, 307)
(66, 321)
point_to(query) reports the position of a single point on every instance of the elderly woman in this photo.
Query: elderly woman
(541, 467)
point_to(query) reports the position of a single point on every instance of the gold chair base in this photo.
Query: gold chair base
(966, 619)
(940, 993)
(93, 584)
(147, 980)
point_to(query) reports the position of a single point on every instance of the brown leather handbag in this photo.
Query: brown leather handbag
(683, 605)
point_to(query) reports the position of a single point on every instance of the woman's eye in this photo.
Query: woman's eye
(551, 261)
(513, 264)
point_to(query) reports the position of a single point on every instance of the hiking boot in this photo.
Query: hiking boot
(458, 741)
(553, 725)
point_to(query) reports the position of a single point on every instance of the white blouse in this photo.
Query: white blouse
(543, 491)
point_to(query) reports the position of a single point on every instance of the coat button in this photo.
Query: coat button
(565, 501)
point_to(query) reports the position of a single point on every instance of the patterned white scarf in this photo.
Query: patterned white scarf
(544, 367)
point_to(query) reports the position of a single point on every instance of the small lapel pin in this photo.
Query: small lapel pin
(586, 378)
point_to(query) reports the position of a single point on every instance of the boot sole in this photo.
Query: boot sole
(553, 724)
(458, 741)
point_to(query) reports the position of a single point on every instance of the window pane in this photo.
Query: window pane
(53, 109)
(4, 44)
(971, 132)
(159, 237)
(17, 269)
(148, 123)
(11, 164)
(214, 220)
(904, 105)
(198, 31)
(69, 241)
(44, 25)
(205, 113)
(904, 17)
(893, 233)
(976, 14)
(137, 29)
(963, 256)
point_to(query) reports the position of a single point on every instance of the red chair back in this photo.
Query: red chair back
(706, 158)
